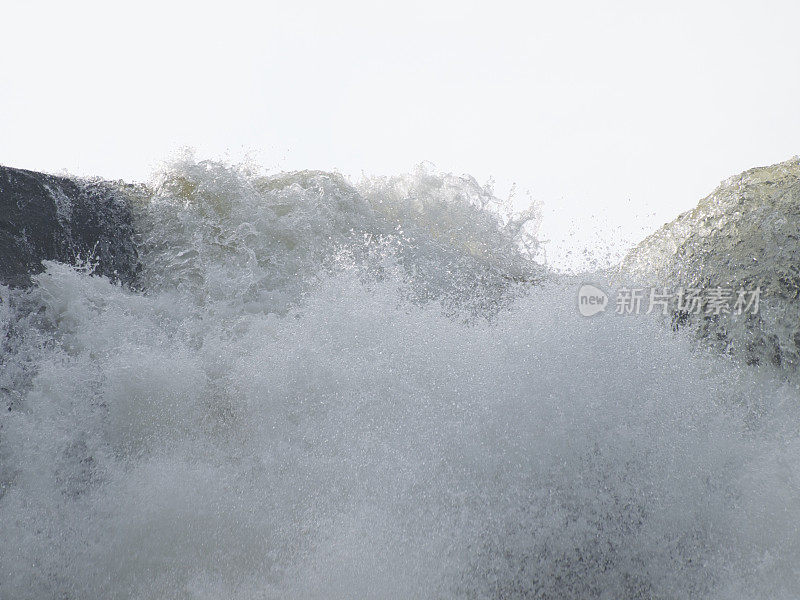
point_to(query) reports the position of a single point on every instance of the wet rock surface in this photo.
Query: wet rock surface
(744, 235)
(46, 217)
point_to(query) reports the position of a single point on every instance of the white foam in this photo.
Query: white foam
(255, 425)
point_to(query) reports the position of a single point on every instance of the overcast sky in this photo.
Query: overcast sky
(617, 115)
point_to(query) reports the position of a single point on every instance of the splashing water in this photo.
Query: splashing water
(318, 390)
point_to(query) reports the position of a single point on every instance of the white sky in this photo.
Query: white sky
(616, 115)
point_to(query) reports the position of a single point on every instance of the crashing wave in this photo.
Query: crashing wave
(208, 225)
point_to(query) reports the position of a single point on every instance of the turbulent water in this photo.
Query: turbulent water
(320, 390)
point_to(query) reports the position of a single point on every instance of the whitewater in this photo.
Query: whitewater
(318, 389)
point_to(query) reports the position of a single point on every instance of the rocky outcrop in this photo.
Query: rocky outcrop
(44, 217)
(745, 235)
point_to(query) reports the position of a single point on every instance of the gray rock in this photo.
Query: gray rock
(746, 234)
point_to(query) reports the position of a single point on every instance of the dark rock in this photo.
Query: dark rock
(44, 217)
